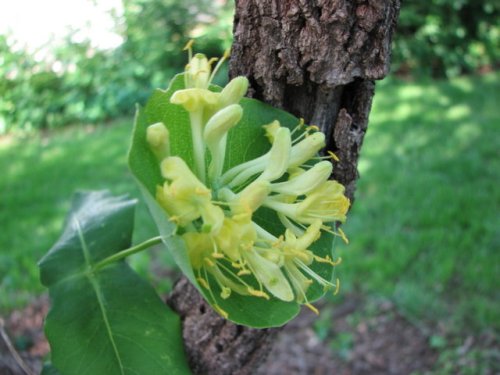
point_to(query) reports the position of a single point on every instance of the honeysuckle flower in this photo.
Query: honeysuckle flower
(185, 198)
(198, 72)
(326, 202)
(234, 91)
(194, 99)
(215, 136)
(215, 209)
(305, 181)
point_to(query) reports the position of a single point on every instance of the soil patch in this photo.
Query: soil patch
(353, 338)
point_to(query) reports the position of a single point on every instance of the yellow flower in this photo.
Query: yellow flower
(195, 99)
(235, 235)
(185, 198)
(158, 138)
(326, 202)
(228, 251)
(298, 258)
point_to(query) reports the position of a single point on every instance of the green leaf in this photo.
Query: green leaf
(108, 321)
(245, 142)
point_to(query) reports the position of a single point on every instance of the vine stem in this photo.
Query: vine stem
(127, 252)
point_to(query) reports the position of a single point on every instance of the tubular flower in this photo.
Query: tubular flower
(214, 208)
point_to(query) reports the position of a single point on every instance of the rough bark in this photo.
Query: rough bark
(316, 59)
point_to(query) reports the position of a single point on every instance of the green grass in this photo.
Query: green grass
(423, 230)
(39, 176)
(425, 227)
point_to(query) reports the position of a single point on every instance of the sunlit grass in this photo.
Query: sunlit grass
(40, 175)
(424, 229)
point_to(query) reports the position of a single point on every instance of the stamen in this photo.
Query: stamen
(203, 282)
(222, 312)
(343, 236)
(209, 262)
(312, 308)
(340, 233)
(212, 60)
(337, 288)
(327, 260)
(312, 127)
(189, 47)
(298, 126)
(231, 273)
(313, 274)
(299, 138)
(216, 254)
(258, 293)
(258, 281)
(219, 64)
(217, 308)
(333, 156)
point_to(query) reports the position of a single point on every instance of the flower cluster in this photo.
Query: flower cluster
(215, 207)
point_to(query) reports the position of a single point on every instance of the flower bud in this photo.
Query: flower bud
(234, 91)
(157, 136)
(306, 149)
(250, 198)
(220, 123)
(198, 72)
(279, 156)
(306, 181)
(215, 136)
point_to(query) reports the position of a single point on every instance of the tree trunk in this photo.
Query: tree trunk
(316, 59)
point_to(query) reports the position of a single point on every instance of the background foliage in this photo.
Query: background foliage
(81, 84)
(445, 38)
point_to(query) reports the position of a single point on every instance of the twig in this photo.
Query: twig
(13, 350)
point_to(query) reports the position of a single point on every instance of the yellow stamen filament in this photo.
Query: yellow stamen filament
(188, 45)
(337, 288)
(340, 233)
(212, 60)
(203, 282)
(217, 308)
(333, 156)
(343, 236)
(258, 293)
(327, 260)
(209, 262)
(312, 308)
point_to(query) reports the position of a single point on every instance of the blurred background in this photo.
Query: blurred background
(424, 230)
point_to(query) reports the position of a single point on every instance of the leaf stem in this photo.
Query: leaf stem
(127, 252)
